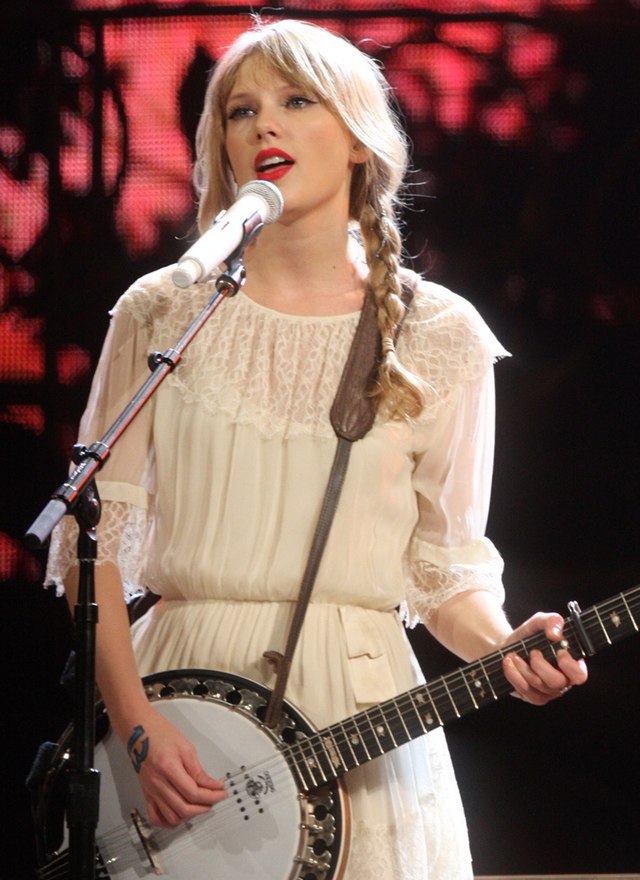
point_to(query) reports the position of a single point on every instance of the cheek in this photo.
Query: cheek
(233, 151)
(328, 141)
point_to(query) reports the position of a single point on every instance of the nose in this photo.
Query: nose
(266, 125)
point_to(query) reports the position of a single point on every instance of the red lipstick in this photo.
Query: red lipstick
(272, 164)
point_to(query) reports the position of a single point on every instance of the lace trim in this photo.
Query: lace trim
(121, 538)
(376, 854)
(429, 586)
(279, 372)
(430, 842)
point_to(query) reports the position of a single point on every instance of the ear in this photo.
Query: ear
(359, 153)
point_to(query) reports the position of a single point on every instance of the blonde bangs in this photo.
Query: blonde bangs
(324, 66)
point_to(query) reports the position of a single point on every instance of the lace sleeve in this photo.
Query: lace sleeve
(440, 574)
(121, 540)
(126, 480)
(449, 552)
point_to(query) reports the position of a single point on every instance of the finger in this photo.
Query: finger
(552, 678)
(527, 684)
(200, 787)
(516, 673)
(199, 775)
(553, 627)
(161, 814)
(174, 808)
(538, 622)
(216, 786)
(175, 796)
(576, 671)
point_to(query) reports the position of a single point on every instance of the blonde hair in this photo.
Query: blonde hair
(352, 87)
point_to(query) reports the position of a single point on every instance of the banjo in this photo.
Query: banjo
(287, 814)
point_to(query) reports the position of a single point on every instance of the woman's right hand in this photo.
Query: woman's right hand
(174, 783)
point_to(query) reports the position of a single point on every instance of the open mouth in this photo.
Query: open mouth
(272, 164)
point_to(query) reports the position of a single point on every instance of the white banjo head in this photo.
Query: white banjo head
(265, 828)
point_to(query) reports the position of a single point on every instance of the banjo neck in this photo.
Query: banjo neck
(330, 753)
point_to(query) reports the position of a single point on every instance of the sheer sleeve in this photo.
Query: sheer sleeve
(125, 482)
(449, 552)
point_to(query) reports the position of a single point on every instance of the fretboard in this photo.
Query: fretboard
(331, 752)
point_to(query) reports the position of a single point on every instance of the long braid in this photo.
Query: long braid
(400, 393)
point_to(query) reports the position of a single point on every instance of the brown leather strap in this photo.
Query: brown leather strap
(352, 415)
(282, 662)
(354, 409)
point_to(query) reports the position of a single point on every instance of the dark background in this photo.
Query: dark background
(542, 234)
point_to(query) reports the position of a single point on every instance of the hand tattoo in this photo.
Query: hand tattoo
(138, 755)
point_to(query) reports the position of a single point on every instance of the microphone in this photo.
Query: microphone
(258, 202)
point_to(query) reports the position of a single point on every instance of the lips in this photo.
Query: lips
(272, 164)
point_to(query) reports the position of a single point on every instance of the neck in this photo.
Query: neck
(309, 273)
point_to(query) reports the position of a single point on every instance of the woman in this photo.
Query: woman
(212, 496)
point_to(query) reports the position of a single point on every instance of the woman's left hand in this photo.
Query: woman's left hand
(538, 681)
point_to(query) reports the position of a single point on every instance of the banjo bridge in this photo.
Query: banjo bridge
(145, 837)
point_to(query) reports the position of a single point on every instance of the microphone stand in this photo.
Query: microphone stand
(79, 496)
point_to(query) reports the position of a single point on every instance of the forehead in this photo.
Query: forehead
(256, 71)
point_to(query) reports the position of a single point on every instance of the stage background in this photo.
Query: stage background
(525, 199)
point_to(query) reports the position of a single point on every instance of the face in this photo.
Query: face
(278, 132)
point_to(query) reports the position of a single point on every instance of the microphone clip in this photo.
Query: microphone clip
(229, 282)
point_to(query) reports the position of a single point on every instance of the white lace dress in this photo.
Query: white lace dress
(212, 496)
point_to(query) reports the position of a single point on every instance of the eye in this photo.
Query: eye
(240, 112)
(299, 101)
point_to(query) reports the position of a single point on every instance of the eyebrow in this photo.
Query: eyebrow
(239, 96)
(285, 87)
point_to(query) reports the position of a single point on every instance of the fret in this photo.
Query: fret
(406, 736)
(611, 622)
(466, 699)
(375, 741)
(306, 775)
(453, 702)
(393, 716)
(602, 626)
(426, 716)
(311, 763)
(322, 756)
(382, 728)
(416, 714)
(315, 757)
(357, 744)
(353, 762)
(486, 677)
(633, 620)
(471, 694)
(550, 649)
